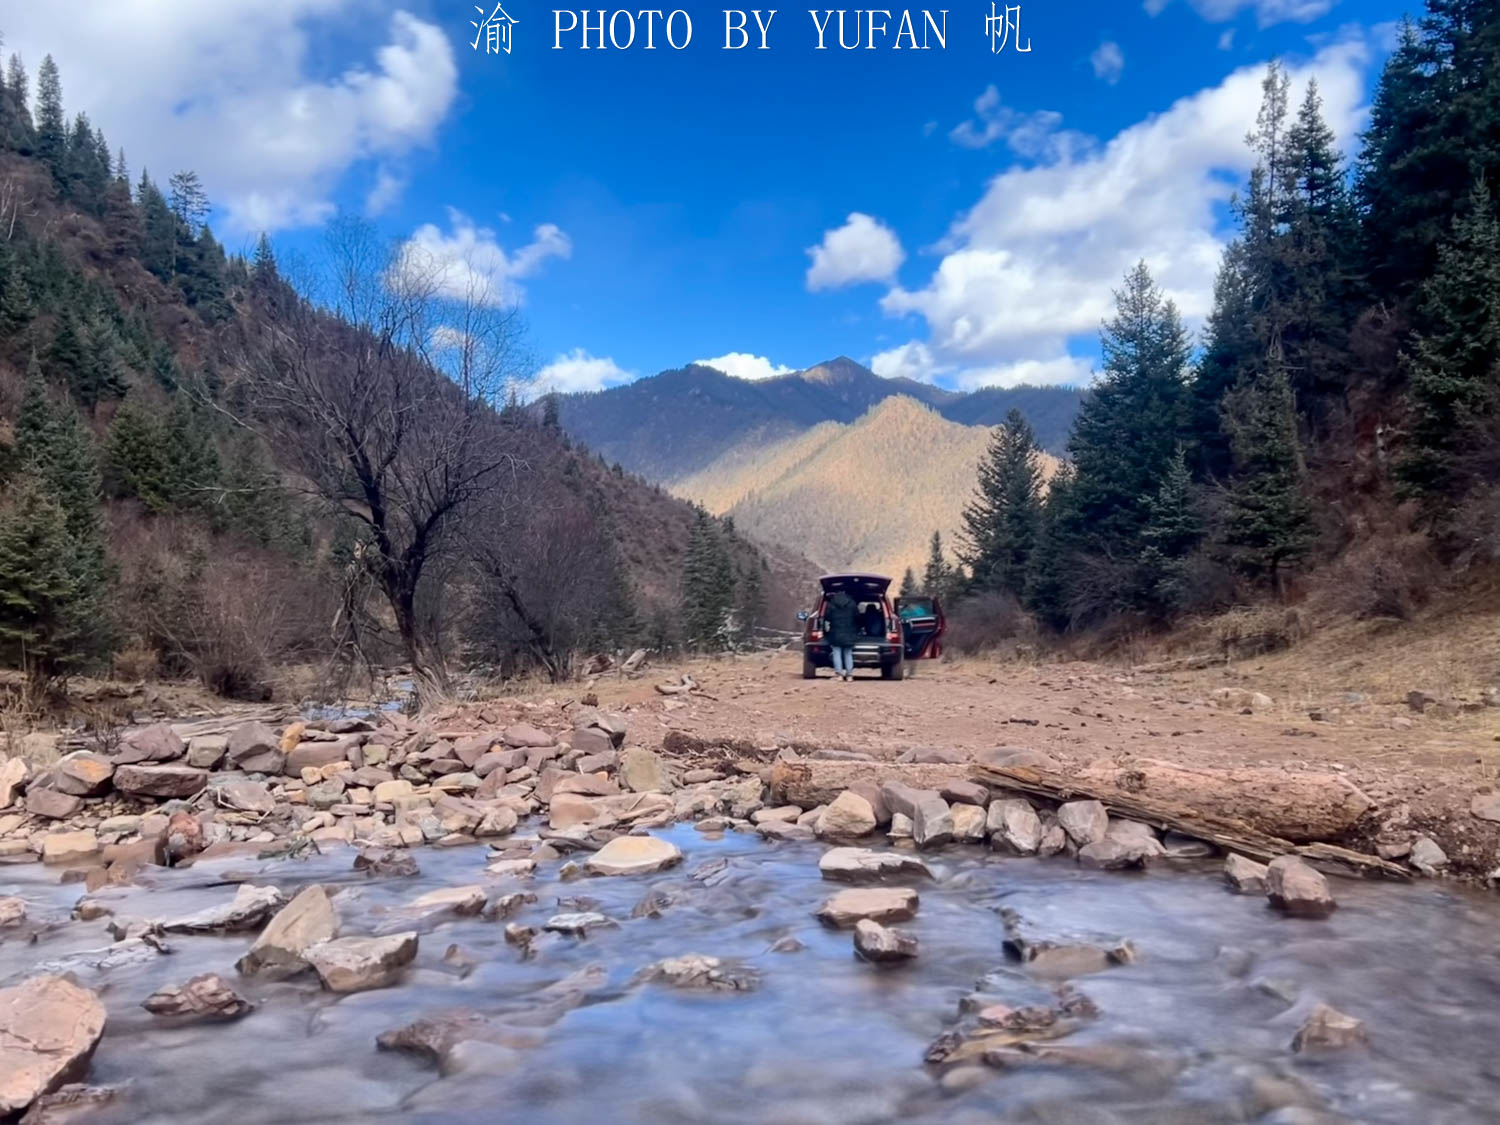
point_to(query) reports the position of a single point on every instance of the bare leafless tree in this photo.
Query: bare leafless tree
(380, 390)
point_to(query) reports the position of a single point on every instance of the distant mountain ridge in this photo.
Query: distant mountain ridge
(670, 426)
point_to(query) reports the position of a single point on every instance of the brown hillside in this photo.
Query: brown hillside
(863, 496)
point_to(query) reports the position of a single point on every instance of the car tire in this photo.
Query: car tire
(896, 671)
(809, 669)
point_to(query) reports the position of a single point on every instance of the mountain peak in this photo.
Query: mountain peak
(840, 369)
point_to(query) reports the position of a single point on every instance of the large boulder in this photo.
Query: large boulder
(52, 804)
(849, 815)
(1014, 826)
(641, 771)
(157, 743)
(83, 774)
(462, 901)
(70, 847)
(866, 865)
(882, 904)
(1296, 888)
(244, 795)
(164, 782)
(306, 921)
(931, 818)
(968, 823)
(255, 748)
(49, 1028)
(207, 751)
(875, 942)
(204, 997)
(354, 964)
(248, 910)
(568, 809)
(1085, 822)
(525, 736)
(634, 855)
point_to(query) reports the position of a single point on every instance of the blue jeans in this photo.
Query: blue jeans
(843, 660)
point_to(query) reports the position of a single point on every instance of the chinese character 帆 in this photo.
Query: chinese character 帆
(1005, 29)
(494, 31)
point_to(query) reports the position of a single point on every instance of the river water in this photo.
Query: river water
(1198, 1029)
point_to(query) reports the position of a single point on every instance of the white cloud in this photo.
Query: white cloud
(227, 88)
(1226, 39)
(1267, 12)
(863, 249)
(1032, 265)
(579, 371)
(385, 192)
(1035, 135)
(743, 365)
(1108, 61)
(470, 260)
(1065, 369)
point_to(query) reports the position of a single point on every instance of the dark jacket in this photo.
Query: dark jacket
(840, 615)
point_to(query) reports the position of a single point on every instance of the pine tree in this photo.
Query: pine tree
(1002, 520)
(1453, 366)
(552, 419)
(158, 230)
(1231, 351)
(19, 134)
(188, 201)
(68, 357)
(1172, 534)
(1128, 429)
(939, 579)
(134, 464)
(51, 129)
(16, 306)
(707, 585)
(263, 271)
(98, 377)
(45, 600)
(908, 584)
(1269, 521)
(1052, 563)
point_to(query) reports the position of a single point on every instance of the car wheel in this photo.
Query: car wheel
(896, 671)
(809, 669)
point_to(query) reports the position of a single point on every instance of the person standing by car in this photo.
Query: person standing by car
(841, 614)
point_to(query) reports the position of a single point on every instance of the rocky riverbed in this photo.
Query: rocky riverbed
(245, 925)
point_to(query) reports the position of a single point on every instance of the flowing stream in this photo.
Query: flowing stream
(1197, 1030)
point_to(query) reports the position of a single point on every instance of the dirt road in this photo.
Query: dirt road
(1421, 770)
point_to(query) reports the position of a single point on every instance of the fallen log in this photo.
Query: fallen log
(1228, 832)
(814, 782)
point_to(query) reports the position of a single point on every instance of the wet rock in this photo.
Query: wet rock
(157, 743)
(82, 774)
(577, 924)
(208, 997)
(249, 908)
(697, 970)
(307, 920)
(355, 964)
(641, 771)
(880, 904)
(848, 816)
(875, 942)
(1062, 957)
(743, 798)
(1486, 806)
(511, 868)
(1110, 855)
(968, 823)
(779, 812)
(1054, 839)
(70, 1104)
(508, 906)
(1177, 846)
(463, 901)
(52, 803)
(1427, 857)
(14, 773)
(966, 793)
(206, 752)
(900, 827)
(1327, 1028)
(634, 855)
(386, 863)
(1296, 888)
(1085, 822)
(499, 821)
(49, 1028)
(1245, 876)
(245, 795)
(931, 818)
(1134, 834)
(160, 781)
(783, 830)
(1014, 826)
(866, 865)
(184, 835)
(568, 809)
(69, 847)
(12, 911)
(254, 748)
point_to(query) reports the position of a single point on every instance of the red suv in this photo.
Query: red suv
(891, 633)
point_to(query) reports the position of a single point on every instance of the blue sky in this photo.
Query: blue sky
(954, 215)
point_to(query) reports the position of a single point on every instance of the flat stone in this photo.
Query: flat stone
(12, 911)
(307, 920)
(388, 791)
(882, 904)
(386, 863)
(206, 752)
(208, 996)
(1110, 855)
(931, 818)
(966, 793)
(866, 865)
(697, 970)
(249, 908)
(245, 795)
(1014, 826)
(578, 924)
(634, 855)
(568, 809)
(355, 964)
(49, 1027)
(876, 943)
(1245, 876)
(641, 771)
(1296, 888)
(69, 847)
(160, 781)
(526, 736)
(847, 816)
(82, 774)
(1327, 1028)
(460, 900)
(500, 821)
(1486, 806)
(255, 748)
(51, 803)
(157, 743)
(315, 755)
(1085, 822)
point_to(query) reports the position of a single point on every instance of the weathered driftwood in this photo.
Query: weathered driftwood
(817, 782)
(1227, 832)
